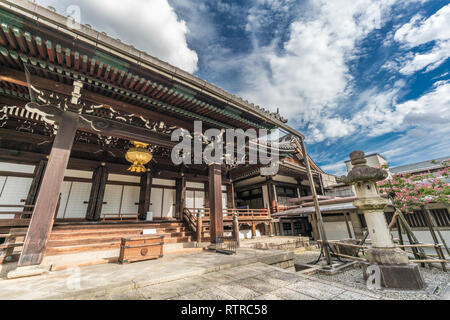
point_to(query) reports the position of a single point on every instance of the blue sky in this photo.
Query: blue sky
(349, 74)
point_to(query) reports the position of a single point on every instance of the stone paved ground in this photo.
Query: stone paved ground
(256, 281)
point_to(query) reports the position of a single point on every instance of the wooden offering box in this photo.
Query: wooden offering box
(141, 248)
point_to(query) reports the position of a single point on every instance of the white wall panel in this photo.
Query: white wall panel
(16, 167)
(14, 189)
(79, 193)
(130, 197)
(224, 200)
(65, 189)
(168, 209)
(190, 199)
(164, 182)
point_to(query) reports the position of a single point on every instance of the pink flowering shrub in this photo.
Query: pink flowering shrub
(413, 191)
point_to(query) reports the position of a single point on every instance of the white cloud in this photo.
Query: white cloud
(310, 78)
(149, 25)
(419, 31)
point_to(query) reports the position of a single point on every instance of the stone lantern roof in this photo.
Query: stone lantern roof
(362, 172)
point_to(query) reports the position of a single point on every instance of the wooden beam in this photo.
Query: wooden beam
(215, 202)
(43, 214)
(18, 77)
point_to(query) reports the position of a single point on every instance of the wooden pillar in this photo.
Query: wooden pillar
(253, 230)
(199, 227)
(215, 202)
(99, 179)
(206, 198)
(292, 228)
(144, 195)
(230, 196)
(42, 219)
(270, 229)
(38, 174)
(272, 197)
(347, 223)
(180, 195)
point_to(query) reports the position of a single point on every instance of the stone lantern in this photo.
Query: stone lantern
(393, 263)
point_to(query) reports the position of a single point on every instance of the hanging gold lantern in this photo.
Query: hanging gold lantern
(139, 156)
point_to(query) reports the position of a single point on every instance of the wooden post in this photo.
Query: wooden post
(199, 227)
(315, 230)
(435, 239)
(230, 197)
(321, 228)
(42, 219)
(236, 229)
(292, 228)
(215, 202)
(253, 230)
(206, 198)
(270, 229)
(99, 179)
(180, 196)
(144, 195)
(35, 185)
(348, 225)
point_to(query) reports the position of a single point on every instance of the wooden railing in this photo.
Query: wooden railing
(120, 216)
(201, 226)
(279, 208)
(363, 248)
(11, 239)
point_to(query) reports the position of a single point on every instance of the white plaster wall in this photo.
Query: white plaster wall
(15, 167)
(247, 234)
(285, 179)
(424, 236)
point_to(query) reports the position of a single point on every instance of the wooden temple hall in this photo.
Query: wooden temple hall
(85, 146)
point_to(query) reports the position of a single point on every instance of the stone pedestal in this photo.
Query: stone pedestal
(405, 276)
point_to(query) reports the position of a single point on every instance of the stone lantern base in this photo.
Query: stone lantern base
(406, 277)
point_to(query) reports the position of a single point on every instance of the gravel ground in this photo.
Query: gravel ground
(436, 280)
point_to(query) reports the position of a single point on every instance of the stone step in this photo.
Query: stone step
(87, 226)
